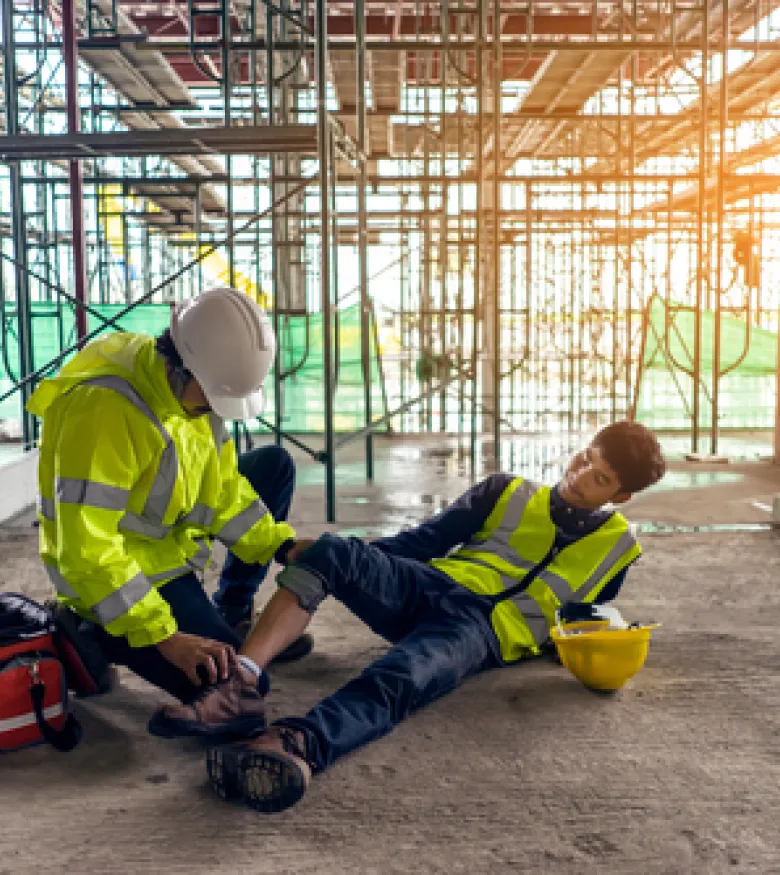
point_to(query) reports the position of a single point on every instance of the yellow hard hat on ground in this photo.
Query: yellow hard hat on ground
(602, 651)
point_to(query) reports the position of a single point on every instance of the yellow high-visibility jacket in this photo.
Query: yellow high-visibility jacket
(518, 537)
(132, 489)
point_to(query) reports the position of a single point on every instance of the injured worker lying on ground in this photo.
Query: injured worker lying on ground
(474, 588)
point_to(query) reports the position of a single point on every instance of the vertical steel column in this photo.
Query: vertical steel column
(18, 228)
(275, 225)
(722, 121)
(426, 297)
(631, 208)
(75, 177)
(618, 240)
(444, 227)
(226, 91)
(365, 303)
(323, 155)
(529, 294)
(198, 233)
(480, 147)
(701, 273)
(496, 290)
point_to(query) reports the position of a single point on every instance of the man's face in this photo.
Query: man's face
(589, 482)
(193, 400)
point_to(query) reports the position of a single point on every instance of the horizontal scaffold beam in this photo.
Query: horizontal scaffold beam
(301, 139)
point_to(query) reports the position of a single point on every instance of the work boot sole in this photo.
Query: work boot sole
(163, 726)
(265, 781)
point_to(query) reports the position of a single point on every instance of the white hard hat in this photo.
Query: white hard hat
(227, 342)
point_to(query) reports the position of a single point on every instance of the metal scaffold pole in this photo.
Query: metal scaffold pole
(70, 51)
(18, 229)
(495, 291)
(702, 260)
(324, 150)
(365, 301)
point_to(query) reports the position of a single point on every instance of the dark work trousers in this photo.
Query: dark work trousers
(271, 472)
(440, 632)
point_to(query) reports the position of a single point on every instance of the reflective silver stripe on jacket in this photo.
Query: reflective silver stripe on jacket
(235, 528)
(218, 430)
(169, 575)
(121, 600)
(60, 584)
(200, 515)
(131, 522)
(113, 606)
(69, 490)
(199, 560)
(46, 506)
(164, 481)
(625, 543)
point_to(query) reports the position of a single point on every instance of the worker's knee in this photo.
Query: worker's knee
(282, 462)
(268, 465)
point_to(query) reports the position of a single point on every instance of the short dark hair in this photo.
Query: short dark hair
(633, 452)
(167, 349)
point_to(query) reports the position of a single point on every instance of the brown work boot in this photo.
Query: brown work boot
(234, 707)
(268, 773)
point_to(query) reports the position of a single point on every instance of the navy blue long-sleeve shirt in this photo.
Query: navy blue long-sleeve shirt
(460, 522)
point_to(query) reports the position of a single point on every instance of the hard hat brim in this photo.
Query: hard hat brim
(236, 409)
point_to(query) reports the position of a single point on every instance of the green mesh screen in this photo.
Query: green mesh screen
(746, 394)
(303, 398)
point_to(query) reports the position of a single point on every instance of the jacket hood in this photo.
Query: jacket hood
(131, 356)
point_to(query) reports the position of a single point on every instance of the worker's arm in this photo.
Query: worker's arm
(456, 525)
(103, 446)
(241, 520)
(612, 588)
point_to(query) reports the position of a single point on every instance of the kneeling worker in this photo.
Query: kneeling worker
(137, 474)
(523, 550)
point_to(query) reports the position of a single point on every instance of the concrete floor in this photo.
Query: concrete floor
(521, 770)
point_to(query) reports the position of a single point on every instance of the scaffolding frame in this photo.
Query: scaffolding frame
(530, 175)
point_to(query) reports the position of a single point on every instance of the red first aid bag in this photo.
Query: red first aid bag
(33, 682)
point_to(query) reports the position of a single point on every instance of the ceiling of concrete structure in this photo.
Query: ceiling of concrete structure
(171, 47)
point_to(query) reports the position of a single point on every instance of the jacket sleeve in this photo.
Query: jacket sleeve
(241, 521)
(455, 525)
(102, 448)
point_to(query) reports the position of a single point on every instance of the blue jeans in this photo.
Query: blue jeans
(271, 472)
(440, 632)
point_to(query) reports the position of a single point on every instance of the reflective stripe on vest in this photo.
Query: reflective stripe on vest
(532, 613)
(496, 543)
(624, 543)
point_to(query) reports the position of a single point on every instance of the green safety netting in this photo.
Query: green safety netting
(746, 394)
(303, 397)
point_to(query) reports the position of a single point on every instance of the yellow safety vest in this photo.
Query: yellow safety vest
(132, 489)
(519, 535)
